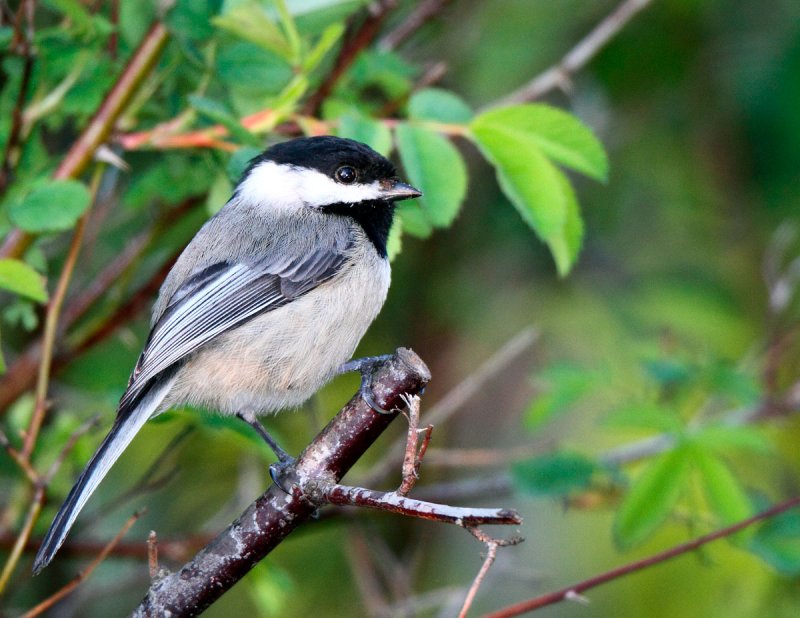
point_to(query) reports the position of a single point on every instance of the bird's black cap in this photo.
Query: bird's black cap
(327, 154)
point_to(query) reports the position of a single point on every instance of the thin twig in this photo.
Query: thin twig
(356, 40)
(21, 461)
(419, 16)
(413, 456)
(560, 74)
(152, 554)
(10, 153)
(345, 495)
(82, 429)
(51, 323)
(632, 567)
(492, 544)
(83, 575)
(97, 131)
(22, 538)
(459, 396)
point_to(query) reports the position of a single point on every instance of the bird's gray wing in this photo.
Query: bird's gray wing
(222, 296)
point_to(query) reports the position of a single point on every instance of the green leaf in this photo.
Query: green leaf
(726, 497)
(559, 135)
(53, 206)
(724, 438)
(435, 167)
(559, 388)
(19, 278)
(556, 474)
(647, 416)
(527, 178)
(566, 246)
(248, 21)
(326, 41)
(192, 18)
(364, 129)
(651, 498)
(217, 112)
(394, 244)
(669, 372)
(439, 106)
(777, 542)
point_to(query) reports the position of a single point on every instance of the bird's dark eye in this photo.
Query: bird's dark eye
(346, 175)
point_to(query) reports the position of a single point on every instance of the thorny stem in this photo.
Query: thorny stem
(571, 591)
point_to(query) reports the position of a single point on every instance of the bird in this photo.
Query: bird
(266, 303)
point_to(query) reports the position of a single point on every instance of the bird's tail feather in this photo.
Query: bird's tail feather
(122, 432)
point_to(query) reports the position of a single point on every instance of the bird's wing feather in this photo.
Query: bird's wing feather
(222, 296)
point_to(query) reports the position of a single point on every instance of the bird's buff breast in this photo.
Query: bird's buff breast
(281, 358)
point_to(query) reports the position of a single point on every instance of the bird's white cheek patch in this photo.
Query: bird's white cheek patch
(291, 188)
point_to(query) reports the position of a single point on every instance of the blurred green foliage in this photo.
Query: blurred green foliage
(663, 381)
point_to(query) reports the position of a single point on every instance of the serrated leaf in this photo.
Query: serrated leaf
(439, 106)
(725, 495)
(53, 206)
(556, 474)
(527, 178)
(217, 112)
(19, 278)
(558, 134)
(435, 167)
(248, 21)
(364, 129)
(566, 246)
(651, 498)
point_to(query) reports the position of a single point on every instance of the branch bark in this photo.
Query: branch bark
(275, 514)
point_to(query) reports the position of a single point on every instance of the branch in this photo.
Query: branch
(422, 13)
(99, 128)
(275, 514)
(560, 74)
(574, 591)
(357, 40)
(80, 577)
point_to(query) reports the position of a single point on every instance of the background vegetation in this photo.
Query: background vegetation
(655, 402)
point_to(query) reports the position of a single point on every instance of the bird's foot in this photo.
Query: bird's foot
(366, 366)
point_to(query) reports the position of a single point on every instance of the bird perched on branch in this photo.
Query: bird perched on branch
(267, 302)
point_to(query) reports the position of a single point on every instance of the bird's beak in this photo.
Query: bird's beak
(394, 191)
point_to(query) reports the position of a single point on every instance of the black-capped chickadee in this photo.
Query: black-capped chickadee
(266, 303)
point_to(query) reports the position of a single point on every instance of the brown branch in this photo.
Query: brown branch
(392, 502)
(24, 44)
(458, 396)
(492, 545)
(679, 550)
(560, 74)
(413, 456)
(275, 514)
(422, 14)
(83, 575)
(356, 40)
(97, 131)
(21, 373)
